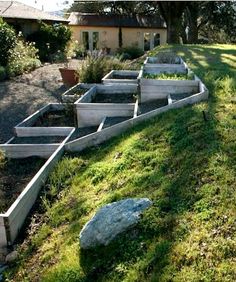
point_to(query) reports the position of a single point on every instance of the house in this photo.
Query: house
(25, 18)
(108, 31)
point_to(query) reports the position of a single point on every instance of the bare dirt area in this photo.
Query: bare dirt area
(23, 95)
(14, 177)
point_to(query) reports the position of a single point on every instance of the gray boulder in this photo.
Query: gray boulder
(112, 220)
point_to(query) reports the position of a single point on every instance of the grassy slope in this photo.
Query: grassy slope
(185, 165)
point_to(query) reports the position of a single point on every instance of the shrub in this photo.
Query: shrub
(130, 52)
(8, 41)
(50, 39)
(2, 159)
(22, 58)
(3, 73)
(94, 69)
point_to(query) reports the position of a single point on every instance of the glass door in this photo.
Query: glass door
(90, 40)
(147, 41)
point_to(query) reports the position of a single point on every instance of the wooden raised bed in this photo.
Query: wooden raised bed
(114, 130)
(74, 93)
(91, 110)
(121, 76)
(42, 123)
(12, 220)
(152, 89)
(151, 65)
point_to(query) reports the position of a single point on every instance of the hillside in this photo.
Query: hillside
(186, 165)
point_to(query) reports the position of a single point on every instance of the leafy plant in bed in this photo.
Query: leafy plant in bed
(15, 174)
(169, 76)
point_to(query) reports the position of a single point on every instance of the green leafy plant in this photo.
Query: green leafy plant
(169, 76)
(50, 39)
(8, 40)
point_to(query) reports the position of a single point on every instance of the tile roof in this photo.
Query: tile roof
(115, 20)
(14, 9)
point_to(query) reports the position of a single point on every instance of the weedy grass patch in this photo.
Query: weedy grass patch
(181, 161)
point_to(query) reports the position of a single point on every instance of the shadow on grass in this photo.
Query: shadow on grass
(192, 142)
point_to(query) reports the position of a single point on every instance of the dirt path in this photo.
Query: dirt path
(25, 94)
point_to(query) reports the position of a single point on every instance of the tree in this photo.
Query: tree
(172, 13)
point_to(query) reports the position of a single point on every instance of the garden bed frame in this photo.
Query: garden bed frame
(150, 67)
(12, 221)
(107, 133)
(92, 114)
(108, 79)
(70, 97)
(26, 128)
(152, 89)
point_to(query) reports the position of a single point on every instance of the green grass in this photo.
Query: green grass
(184, 164)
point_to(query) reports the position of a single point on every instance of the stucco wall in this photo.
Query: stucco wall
(108, 36)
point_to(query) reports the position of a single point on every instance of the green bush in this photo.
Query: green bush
(8, 41)
(130, 52)
(22, 58)
(50, 39)
(94, 69)
(3, 73)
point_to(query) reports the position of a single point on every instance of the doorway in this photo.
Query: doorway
(90, 40)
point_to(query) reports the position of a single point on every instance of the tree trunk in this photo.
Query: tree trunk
(172, 13)
(192, 16)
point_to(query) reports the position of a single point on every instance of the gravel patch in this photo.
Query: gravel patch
(23, 95)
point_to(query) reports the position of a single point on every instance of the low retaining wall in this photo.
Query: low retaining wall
(92, 114)
(26, 128)
(108, 79)
(107, 133)
(12, 221)
(150, 66)
(152, 89)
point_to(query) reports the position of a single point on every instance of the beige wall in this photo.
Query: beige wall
(108, 36)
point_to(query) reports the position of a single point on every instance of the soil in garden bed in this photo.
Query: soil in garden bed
(109, 121)
(38, 140)
(83, 131)
(120, 98)
(177, 97)
(14, 176)
(77, 92)
(119, 76)
(56, 118)
(152, 105)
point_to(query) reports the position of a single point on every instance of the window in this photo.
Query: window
(90, 40)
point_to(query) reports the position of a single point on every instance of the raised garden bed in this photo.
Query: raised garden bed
(18, 179)
(83, 131)
(14, 176)
(121, 76)
(172, 98)
(120, 98)
(74, 93)
(169, 63)
(152, 105)
(37, 140)
(105, 100)
(153, 89)
(110, 121)
(53, 119)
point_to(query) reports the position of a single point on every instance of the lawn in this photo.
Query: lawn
(184, 163)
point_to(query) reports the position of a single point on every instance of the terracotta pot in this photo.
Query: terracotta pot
(69, 76)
